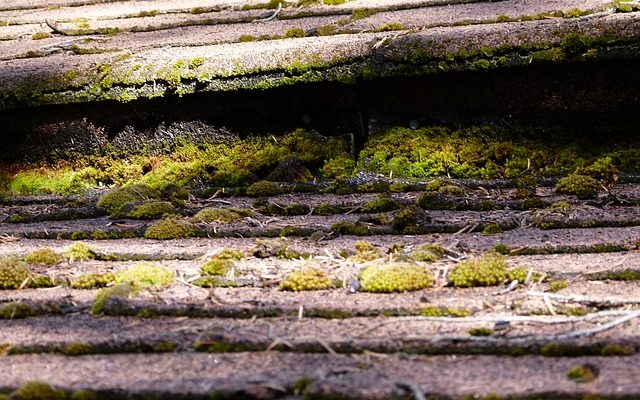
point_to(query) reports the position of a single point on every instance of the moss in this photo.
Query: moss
(366, 251)
(36, 390)
(327, 209)
(617, 349)
(381, 204)
(122, 290)
(480, 331)
(491, 229)
(557, 285)
(583, 186)
(152, 210)
(93, 281)
(583, 373)
(84, 394)
(350, 228)
(435, 201)
(13, 273)
(362, 13)
(271, 4)
(295, 33)
(230, 254)
(265, 189)
(487, 270)
(303, 383)
(501, 248)
(43, 256)
(146, 275)
(216, 266)
(428, 252)
(115, 199)
(624, 275)
(391, 26)
(340, 166)
(16, 310)
(406, 220)
(306, 279)
(42, 281)
(76, 349)
(79, 252)
(219, 215)
(170, 227)
(575, 44)
(395, 277)
(439, 311)
(246, 38)
(41, 35)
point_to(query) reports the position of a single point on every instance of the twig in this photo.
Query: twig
(547, 303)
(604, 302)
(272, 16)
(512, 286)
(417, 393)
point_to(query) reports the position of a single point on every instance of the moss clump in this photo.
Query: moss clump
(487, 270)
(532, 203)
(93, 281)
(362, 13)
(558, 285)
(366, 251)
(439, 311)
(395, 277)
(617, 349)
(115, 199)
(295, 33)
(152, 210)
(501, 248)
(435, 201)
(16, 310)
(79, 252)
(350, 228)
(583, 373)
(42, 281)
(13, 273)
(428, 252)
(583, 186)
(306, 279)
(146, 275)
(265, 189)
(327, 209)
(170, 227)
(219, 215)
(381, 204)
(35, 390)
(491, 229)
(480, 331)
(216, 266)
(406, 220)
(122, 290)
(43, 256)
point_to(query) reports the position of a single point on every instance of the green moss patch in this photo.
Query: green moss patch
(220, 215)
(43, 256)
(583, 186)
(122, 290)
(170, 227)
(146, 275)
(93, 281)
(116, 199)
(395, 277)
(13, 273)
(79, 252)
(151, 210)
(487, 270)
(306, 279)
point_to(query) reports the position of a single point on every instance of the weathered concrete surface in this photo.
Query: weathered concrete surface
(129, 50)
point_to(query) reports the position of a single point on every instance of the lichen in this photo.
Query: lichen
(146, 275)
(44, 256)
(309, 278)
(395, 277)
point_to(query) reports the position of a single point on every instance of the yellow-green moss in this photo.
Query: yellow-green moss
(582, 373)
(381, 204)
(439, 311)
(170, 227)
(557, 285)
(306, 279)
(487, 270)
(366, 251)
(79, 252)
(152, 210)
(43, 256)
(93, 281)
(428, 252)
(115, 199)
(216, 266)
(617, 349)
(219, 215)
(491, 229)
(265, 189)
(295, 33)
(395, 277)
(41, 35)
(35, 390)
(122, 290)
(16, 310)
(146, 275)
(84, 394)
(13, 273)
(480, 331)
(583, 186)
